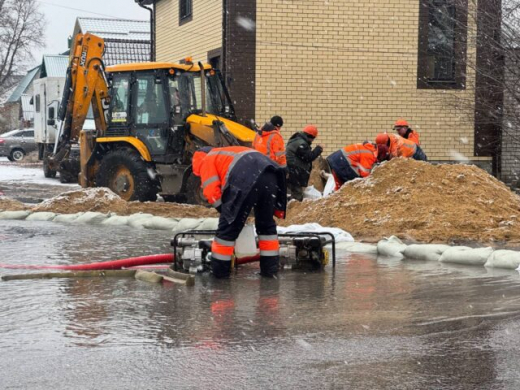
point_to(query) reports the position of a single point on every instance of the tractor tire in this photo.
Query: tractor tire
(126, 174)
(47, 171)
(194, 193)
(17, 155)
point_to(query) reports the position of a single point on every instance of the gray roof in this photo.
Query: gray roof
(125, 29)
(24, 84)
(54, 66)
(125, 40)
(123, 52)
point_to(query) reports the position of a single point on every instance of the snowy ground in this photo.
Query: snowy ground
(27, 183)
(17, 174)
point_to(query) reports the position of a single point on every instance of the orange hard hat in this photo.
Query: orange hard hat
(401, 122)
(382, 139)
(198, 156)
(311, 130)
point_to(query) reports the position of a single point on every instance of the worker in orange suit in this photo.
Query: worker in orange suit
(400, 147)
(354, 161)
(403, 129)
(269, 142)
(235, 180)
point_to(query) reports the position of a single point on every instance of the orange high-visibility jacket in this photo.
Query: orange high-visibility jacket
(271, 144)
(361, 157)
(233, 171)
(214, 172)
(414, 137)
(401, 147)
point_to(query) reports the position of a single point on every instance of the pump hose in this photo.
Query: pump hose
(104, 265)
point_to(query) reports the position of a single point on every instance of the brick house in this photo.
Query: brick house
(350, 67)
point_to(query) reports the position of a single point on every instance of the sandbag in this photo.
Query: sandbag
(209, 224)
(41, 216)
(311, 193)
(138, 220)
(187, 224)
(391, 247)
(14, 214)
(357, 247)
(116, 220)
(330, 186)
(67, 218)
(503, 258)
(465, 255)
(91, 218)
(428, 252)
(160, 223)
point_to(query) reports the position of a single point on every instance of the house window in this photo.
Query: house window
(442, 44)
(185, 11)
(215, 58)
(37, 103)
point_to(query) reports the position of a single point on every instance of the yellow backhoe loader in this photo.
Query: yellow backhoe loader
(150, 117)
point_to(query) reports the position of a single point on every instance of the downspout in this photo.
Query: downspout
(152, 27)
(224, 42)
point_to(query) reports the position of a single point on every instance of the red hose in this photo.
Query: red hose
(248, 259)
(104, 265)
(117, 264)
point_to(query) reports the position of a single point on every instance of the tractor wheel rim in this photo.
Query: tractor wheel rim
(17, 155)
(122, 183)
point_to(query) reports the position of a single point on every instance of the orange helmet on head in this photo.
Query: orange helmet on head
(311, 130)
(401, 123)
(382, 139)
(198, 156)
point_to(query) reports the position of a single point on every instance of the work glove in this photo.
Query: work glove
(279, 214)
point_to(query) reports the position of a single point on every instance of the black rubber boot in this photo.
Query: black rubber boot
(269, 265)
(220, 269)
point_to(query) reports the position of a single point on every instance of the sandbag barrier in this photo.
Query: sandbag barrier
(137, 221)
(390, 247)
(487, 257)
(394, 247)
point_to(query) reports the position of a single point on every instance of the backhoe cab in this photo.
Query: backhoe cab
(150, 119)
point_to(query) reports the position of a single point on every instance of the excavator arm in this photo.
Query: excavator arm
(86, 85)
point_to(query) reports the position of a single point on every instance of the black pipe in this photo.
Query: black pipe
(152, 27)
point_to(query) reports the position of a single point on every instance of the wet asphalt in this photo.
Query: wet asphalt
(372, 323)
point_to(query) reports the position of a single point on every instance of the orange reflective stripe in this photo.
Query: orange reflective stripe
(272, 245)
(220, 251)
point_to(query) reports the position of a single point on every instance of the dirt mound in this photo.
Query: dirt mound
(103, 200)
(419, 201)
(11, 204)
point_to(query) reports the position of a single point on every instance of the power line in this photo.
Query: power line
(77, 9)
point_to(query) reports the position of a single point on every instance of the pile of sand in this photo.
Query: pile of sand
(11, 204)
(419, 201)
(104, 200)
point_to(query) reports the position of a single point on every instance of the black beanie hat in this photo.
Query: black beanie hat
(277, 121)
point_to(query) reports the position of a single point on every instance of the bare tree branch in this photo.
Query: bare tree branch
(21, 30)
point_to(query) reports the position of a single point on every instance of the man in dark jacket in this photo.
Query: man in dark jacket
(235, 180)
(299, 160)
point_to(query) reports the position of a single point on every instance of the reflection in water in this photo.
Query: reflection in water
(372, 323)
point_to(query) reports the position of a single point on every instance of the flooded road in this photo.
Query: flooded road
(371, 324)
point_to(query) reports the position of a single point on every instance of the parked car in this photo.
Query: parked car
(16, 144)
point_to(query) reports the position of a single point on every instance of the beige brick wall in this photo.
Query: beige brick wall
(202, 34)
(350, 67)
